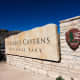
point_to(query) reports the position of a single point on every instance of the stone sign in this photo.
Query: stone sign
(70, 47)
(39, 43)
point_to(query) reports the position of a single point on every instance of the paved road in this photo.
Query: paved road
(8, 72)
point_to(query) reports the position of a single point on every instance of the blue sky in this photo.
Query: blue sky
(27, 14)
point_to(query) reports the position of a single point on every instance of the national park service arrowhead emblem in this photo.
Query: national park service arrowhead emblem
(73, 38)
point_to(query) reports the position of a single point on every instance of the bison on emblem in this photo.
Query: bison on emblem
(73, 38)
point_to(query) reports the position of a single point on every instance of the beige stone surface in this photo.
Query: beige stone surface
(69, 57)
(44, 69)
(65, 26)
(40, 43)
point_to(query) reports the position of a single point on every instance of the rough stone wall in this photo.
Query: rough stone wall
(68, 67)
(50, 70)
(71, 58)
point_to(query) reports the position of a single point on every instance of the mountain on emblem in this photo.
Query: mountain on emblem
(73, 38)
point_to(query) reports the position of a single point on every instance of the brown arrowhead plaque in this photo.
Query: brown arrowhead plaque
(73, 38)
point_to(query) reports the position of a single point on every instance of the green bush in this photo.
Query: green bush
(59, 78)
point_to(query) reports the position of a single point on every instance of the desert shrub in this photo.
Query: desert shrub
(59, 78)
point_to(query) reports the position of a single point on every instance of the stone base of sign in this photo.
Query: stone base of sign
(66, 68)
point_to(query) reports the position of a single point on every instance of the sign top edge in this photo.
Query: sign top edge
(70, 19)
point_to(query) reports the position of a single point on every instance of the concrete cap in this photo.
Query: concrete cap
(70, 19)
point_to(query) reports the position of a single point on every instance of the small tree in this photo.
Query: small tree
(59, 78)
